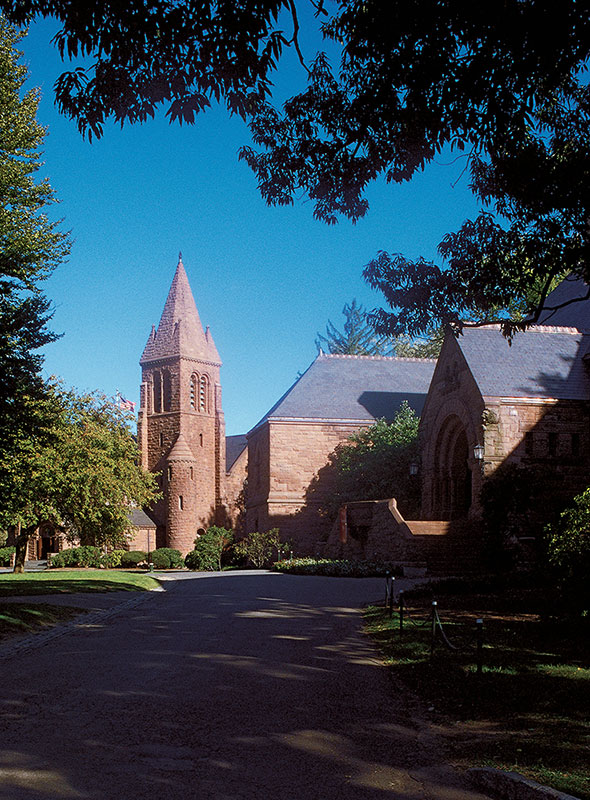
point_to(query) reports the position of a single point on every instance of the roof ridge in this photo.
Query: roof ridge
(570, 329)
(363, 357)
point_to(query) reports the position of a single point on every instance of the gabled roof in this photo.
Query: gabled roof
(234, 447)
(571, 314)
(545, 362)
(140, 519)
(180, 332)
(356, 388)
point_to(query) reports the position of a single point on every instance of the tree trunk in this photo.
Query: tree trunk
(21, 542)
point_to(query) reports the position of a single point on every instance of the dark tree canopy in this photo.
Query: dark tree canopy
(502, 83)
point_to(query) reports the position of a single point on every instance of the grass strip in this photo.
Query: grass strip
(78, 580)
(527, 711)
(21, 618)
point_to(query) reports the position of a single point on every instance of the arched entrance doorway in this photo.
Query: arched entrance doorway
(452, 481)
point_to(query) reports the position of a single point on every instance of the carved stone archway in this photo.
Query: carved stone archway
(452, 486)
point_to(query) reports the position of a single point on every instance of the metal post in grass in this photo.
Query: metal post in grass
(401, 612)
(433, 628)
(391, 597)
(479, 628)
(386, 588)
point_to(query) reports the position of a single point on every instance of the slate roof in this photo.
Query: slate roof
(358, 388)
(140, 519)
(234, 447)
(575, 315)
(541, 362)
(180, 331)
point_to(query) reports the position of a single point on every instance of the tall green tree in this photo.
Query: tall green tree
(357, 338)
(30, 248)
(77, 469)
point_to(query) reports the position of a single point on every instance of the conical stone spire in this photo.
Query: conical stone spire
(180, 332)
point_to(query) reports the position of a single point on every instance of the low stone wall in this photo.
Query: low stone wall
(377, 531)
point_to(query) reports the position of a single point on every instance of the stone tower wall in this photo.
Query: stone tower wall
(180, 435)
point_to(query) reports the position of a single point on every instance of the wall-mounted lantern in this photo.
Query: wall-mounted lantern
(414, 467)
(478, 452)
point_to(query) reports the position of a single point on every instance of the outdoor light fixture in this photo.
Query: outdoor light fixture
(478, 452)
(414, 467)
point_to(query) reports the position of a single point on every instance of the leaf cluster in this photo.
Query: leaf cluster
(375, 463)
(568, 548)
(77, 468)
(211, 549)
(258, 547)
(501, 84)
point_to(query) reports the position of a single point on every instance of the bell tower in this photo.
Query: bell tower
(181, 428)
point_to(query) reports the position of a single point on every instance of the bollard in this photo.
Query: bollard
(401, 612)
(386, 588)
(479, 624)
(391, 598)
(433, 628)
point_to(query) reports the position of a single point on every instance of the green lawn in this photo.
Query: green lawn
(75, 580)
(26, 618)
(528, 711)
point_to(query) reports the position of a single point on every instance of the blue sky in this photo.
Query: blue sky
(265, 280)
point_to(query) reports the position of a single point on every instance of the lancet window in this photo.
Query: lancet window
(162, 391)
(199, 393)
(157, 391)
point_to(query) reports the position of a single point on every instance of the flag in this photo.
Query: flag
(126, 405)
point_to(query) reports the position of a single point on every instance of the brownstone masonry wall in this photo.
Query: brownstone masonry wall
(285, 478)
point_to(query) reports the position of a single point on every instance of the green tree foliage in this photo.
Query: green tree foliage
(358, 337)
(568, 546)
(258, 548)
(78, 469)
(30, 248)
(375, 464)
(211, 549)
(502, 84)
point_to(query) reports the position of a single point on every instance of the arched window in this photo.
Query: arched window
(157, 391)
(204, 393)
(194, 391)
(166, 390)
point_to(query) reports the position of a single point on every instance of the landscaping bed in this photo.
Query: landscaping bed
(528, 709)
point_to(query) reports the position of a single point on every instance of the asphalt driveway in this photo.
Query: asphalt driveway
(224, 686)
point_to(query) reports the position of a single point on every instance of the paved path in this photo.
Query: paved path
(239, 686)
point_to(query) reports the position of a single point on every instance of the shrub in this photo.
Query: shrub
(160, 560)
(88, 556)
(85, 556)
(258, 548)
(568, 551)
(112, 560)
(211, 550)
(336, 568)
(63, 559)
(172, 557)
(132, 558)
(5, 553)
